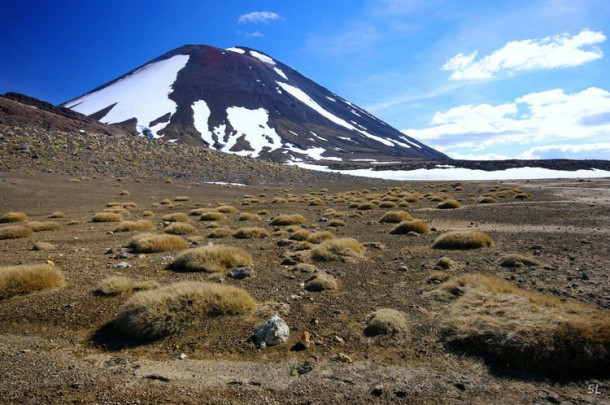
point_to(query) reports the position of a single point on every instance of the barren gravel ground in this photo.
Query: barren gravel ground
(48, 353)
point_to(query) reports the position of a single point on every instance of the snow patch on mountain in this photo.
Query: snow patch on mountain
(253, 126)
(142, 95)
(262, 57)
(236, 50)
(201, 114)
(280, 72)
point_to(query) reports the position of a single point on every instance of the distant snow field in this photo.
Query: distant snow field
(451, 174)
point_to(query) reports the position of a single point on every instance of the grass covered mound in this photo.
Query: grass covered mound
(13, 217)
(394, 217)
(180, 228)
(415, 225)
(288, 219)
(15, 232)
(168, 310)
(26, 279)
(449, 204)
(151, 243)
(462, 240)
(119, 285)
(251, 232)
(339, 249)
(524, 329)
(211, 259)
(107, 217)
(386, 321)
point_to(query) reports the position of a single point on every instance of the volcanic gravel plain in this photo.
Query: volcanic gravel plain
(521, 320)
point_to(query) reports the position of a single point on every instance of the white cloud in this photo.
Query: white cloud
(259, 17)
(255, 34)
(558, 51)
(600, 150)
(536, 118)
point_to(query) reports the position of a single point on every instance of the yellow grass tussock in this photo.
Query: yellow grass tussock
(321, 282)
(251, 232)
(213, 216)
(41, 226)
(415, 225)
(336, 223)
(221, 232)
(211, 259)
(246, 216)
(180, 228)
(107, 217)
(26, 279)
(394, 217)
(288, 219)
(119, 285)
(462, 240)
(319, 237)
(340, 249)
(15, 232)
(13, 217)
(151, 243)
(176, 217)
(449, 205)
(386, 321)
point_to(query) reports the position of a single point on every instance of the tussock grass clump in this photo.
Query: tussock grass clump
(113, 286)
(148, 213)
(340, 249)
(288, 219)
(15, 232)
(221, 232)
(26, 279)
(139, 225)
(462, 240)
(524, 329)
(394, 217)
(246, 216)
(449, 205)
(386, 321)
(180, 228)
(227, 209)
(211, 259)
(198, 212)
(176, 217)
(107, 217)
(366, 207)
(515, 260)
(319, 237)
(124, 192)
(415, 225)
(487, 200)
(305, 268)
(300, 234)
(521, 196)
(213, 216)
(41, 226)
(43, 246)
(117, 210)
(446, 263)
(388, 204)
(182, 198)
(279, 200)
(57, 214)
(13, 217)
(336, 223)
(251, 232)
(264, 212)
(321, 282)
(150, 315)
(151, 243)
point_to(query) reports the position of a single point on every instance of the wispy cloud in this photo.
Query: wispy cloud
(557, 51)
(259, 17)
(255, 34)
(536, 118)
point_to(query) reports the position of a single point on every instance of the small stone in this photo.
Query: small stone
(377, 390)
(241, 273)
(343, 358)
(273, 332)
(168, 259)
(121, 265)
(181, 356)
(339, 339)
(403, 268)
(122, 255)
(323, 219)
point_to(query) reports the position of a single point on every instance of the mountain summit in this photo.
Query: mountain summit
(239, 100)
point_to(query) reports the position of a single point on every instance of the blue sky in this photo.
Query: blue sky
(475, 79)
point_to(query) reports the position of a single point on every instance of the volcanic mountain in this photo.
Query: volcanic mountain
(242, 101)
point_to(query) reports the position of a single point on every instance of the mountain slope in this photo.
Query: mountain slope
(242, 101)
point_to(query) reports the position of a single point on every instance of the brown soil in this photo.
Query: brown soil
(57, 346)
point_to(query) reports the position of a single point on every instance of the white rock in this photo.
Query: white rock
(273, 332)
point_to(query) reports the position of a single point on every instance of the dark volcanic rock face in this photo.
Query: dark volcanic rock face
(241, 101)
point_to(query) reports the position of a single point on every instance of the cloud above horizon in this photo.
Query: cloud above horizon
(549, 117)
(259, 17)
(558, 51)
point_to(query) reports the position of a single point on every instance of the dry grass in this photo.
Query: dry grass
(288, 219)
(221, 232)
(415, 225)
(15, 232)
(182, 198)
(279, 200)
(13, 217)
(251, 233)
(388, 204)
(336, 223)
(526, 330)
(213, 216)
(151, 243)
(227, 209)
(176, 217)
(449, 205)
(319, 237)
(304, 268)
(462, 240)
(168, 310)
(57, 214)
(180, 228)
(41, 226)
(148, 213)
(246, 216)
(26, 279)
(43, 246)
(487, 200)
(117, 210)
(300, 234)
(113, 286)
(321, 282)
(140, 225)
(366, 207)
(211, 259)
(394, 217)
(341, 249)
(107, 217)
(386, 321)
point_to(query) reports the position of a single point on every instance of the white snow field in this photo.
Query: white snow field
(253, 126)
(142, 95)
(455, 174)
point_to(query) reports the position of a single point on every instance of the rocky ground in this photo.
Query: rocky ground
(52, 348)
